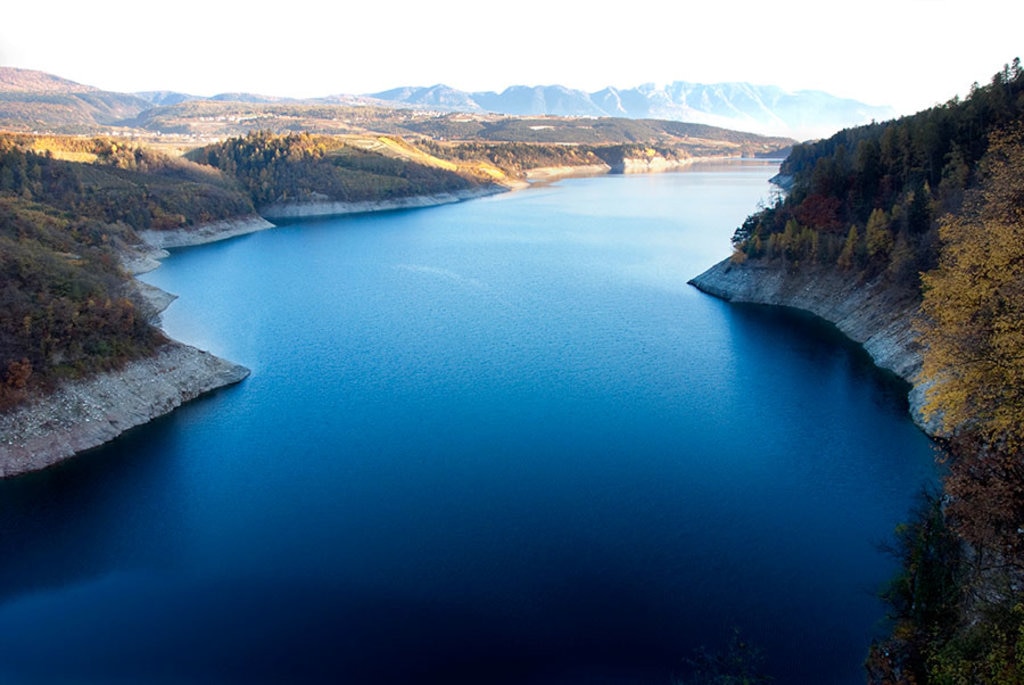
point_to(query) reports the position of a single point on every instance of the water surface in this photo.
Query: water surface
(500, 441)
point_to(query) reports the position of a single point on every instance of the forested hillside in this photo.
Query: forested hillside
(66, 306)
(960, 599)
(69, 208)
(867, 199)
(933, 205)
(517, 159)
(513, 158)
(300, 167)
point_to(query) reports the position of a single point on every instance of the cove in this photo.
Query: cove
(500, 441)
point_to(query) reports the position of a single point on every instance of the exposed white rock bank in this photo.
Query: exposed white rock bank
(86, 413)
(204, 233)
(309, 209)
(872, 314)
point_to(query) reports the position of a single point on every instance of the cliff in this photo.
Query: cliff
(648, 165)
(86, 413)
(870, 313)
(553, 173)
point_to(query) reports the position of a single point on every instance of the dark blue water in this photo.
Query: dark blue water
(495, 442)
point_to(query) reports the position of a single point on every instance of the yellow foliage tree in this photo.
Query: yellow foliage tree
(878, 236)
(973, 326)
(848, 258)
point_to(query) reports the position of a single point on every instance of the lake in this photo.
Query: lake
(494, 442)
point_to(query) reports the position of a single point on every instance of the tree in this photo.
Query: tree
(973, 306)
(919, 213)
(878, 236)
(985, 490)
(850, 256)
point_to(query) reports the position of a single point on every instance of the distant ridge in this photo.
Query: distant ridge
(13, 80)
(768, 110)
(162, 98)
(36, 101)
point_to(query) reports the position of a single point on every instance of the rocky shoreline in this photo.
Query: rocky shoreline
(206, 233)
(86, 413)
(306, 210)
(870, 313)
(652, 165)
(553, 173)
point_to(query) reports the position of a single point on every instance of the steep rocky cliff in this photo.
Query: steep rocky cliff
(871, 313)
(84, 414)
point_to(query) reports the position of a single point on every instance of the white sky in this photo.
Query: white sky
(910, 54)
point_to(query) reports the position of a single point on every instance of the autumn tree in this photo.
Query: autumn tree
(973, 326)
(852, 250)
(878, 236)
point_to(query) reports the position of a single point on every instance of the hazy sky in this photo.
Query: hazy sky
(910, 54)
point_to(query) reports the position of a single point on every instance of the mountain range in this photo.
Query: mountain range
(768, 110)
(32, 100)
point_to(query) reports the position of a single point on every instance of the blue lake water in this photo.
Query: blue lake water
(494, 442)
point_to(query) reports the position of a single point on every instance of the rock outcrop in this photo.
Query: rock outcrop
(553, 173)
(649, 165)
(86, 413)
(871, 313)
(205, 233)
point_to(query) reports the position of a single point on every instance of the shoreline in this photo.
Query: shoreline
(656, 165)
(86, 413)
(553, 173)
(629, 166)
(161, 241)
(326, 208)
(869, 314)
